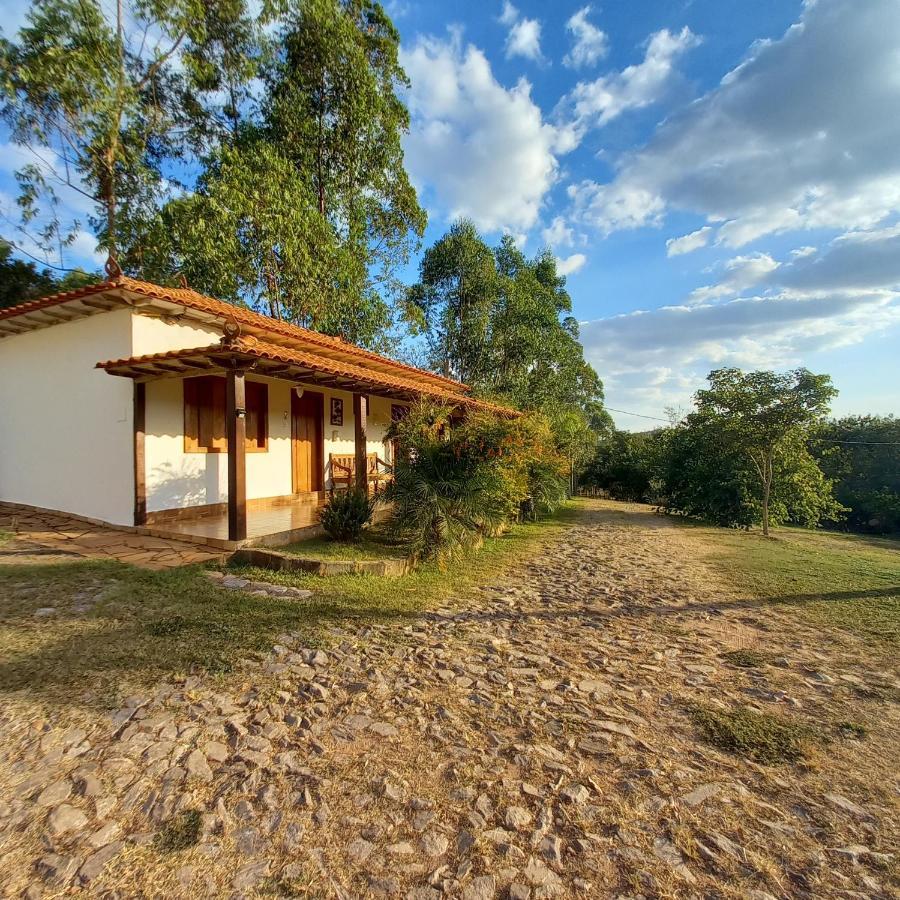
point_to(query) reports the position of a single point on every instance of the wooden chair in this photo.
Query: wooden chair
(343, 470)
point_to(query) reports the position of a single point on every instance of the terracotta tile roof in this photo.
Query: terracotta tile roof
(240, 315)
(251, 348)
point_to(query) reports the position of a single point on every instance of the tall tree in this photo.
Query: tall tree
(759, 413)
(453, 302)
(537, 359)
(307, 209)
(97, 101)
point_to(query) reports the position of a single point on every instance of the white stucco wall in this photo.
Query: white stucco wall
(151, 334)
(176, 479)
(66, 434)
(66, 431)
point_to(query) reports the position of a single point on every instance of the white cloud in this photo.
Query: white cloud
(797, 136)
(813, 302)
(524, 39)
(688, 242)
(858, 260)
(589, 43)
(571, 264)
(611, 206)
(741, 274)
(772, 332)
(509, 15)
(483, 149)
(558, 233)
(596, 103)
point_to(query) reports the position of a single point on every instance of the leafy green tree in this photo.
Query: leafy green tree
(502, 323)
(626, 465)
(761, 415)
(453, 301)
(706, 475)
(22, 281)
(536, 358)
(305, 207)
(101, 106)
(861, 454)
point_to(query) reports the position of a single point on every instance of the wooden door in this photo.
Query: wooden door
(307, 439)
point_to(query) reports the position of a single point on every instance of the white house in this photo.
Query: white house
(120, 402)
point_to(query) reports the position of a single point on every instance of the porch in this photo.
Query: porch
(240, 443)
(272, 522)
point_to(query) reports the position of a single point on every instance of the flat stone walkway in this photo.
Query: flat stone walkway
(42, 537)
(534, 740)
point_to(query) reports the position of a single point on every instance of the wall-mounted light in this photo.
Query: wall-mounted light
(240, 412)
(298, 390)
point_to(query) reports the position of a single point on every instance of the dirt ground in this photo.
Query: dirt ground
(534, 740)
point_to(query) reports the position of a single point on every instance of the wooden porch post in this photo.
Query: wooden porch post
(140, 466)
(359, 431)
(236, 432)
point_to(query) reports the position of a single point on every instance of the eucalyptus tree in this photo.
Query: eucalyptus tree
(101, 102)
(304, 207)
(453, 302)
(333, 107)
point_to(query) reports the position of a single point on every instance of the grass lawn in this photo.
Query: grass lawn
(849, 581)
(372, 544)
(115, 627)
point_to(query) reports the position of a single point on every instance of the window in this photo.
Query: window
(204, 415)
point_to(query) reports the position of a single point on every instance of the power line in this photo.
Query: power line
(639, 415)
(37, 259)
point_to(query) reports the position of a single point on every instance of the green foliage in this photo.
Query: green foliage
(104, 106)
(23, 281)
(627, 465)
(502, 323)
(760, 736)
(306, 209)
(457, 481)
(707, 475)
(757, 414)
(740, 459)
(453, 302)
(300, 203)
(866, 475)
(446, 494)
(346, 513)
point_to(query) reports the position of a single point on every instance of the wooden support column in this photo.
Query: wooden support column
(140, 464)
(359, 431)
(236, 432)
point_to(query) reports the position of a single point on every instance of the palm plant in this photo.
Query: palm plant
(444, 501)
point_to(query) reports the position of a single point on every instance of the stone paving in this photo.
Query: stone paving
(42, 537)
(531, 741)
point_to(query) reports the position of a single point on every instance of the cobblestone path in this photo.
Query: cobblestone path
(535, 740)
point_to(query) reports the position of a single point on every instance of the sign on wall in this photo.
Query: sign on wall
(337, 411)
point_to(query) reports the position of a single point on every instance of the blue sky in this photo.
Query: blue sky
(719, 178)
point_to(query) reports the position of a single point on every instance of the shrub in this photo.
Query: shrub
(346, 513)
(457, 480)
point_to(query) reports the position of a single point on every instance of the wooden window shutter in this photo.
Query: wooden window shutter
(257, 416)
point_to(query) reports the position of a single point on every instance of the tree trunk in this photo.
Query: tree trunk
(767, 491)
